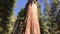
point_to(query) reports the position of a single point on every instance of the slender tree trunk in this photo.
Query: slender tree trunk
(32, 22)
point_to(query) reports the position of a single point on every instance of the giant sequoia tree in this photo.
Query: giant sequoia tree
(20, 22)
(32, 22)
(6, 16)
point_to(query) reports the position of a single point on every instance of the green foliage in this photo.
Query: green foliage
(19, 24)
(52, 22)
(44, 19)
(6, 7)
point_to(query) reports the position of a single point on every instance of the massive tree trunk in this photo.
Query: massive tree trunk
(32, 22)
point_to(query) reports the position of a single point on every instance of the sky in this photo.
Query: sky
(19, 4)
(22, 3)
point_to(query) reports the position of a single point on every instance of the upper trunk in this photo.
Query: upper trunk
(32, 22)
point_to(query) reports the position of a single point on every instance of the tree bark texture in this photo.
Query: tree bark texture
(32, 22)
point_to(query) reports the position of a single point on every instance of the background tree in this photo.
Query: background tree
(50, 20)
(58, 14)
(6, 16)
(53, 24)
(44, 18)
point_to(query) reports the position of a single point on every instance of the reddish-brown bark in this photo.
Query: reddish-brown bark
(32, 22)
